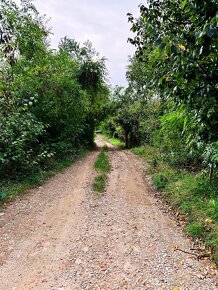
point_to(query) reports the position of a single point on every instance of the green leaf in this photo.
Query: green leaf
(184, 3)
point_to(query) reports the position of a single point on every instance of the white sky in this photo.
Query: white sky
(103, 22)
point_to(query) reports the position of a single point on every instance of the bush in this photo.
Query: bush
(19, 146)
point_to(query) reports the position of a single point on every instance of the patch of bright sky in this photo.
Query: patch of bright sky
(103, 22)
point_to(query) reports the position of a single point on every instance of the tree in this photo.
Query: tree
(183, 34)
(50, 100)
(176, 60)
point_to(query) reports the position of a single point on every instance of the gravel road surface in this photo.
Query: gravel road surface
(61, 236)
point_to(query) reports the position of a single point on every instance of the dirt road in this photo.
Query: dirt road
(61, 236)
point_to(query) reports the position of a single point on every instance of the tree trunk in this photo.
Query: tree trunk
(126, 139)
(211, 173)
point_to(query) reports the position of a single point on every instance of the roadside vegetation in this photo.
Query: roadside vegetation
(50, 100)
(189, 193)
(102, 166)
(117, 142)
(169, 111)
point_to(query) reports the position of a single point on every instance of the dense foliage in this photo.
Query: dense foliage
(50, 100)
(171, 99)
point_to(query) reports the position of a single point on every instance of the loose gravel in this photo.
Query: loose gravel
(62, 236)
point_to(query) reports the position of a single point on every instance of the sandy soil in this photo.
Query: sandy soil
(62, 236)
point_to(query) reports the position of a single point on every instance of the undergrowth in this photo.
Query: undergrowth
(191, 193)
(102, 166)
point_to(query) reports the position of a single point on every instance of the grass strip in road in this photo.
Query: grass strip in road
(193, 197)
(102, 166)
(99, 183)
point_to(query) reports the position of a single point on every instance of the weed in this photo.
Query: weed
(102, 165)
(194, 229)
(186, 207)
(160, 180)
(99, 183)
(148, 153)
